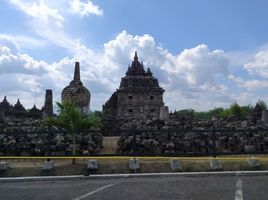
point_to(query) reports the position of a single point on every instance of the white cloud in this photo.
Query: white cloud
(85, 8)
(47, 20)
(22, 76)
(259, 65)
(48, 23)
(195, 77)
(39, 10)
(205, 67)
(19, 63)
(246, 98)
(252, 84)
(201, 98)
(192, 78)
(199, 65)
(21, 41)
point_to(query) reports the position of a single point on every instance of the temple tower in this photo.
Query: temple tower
(76, 92)
(48, 106)
(139, 95)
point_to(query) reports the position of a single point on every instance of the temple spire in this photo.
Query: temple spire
(136, 56)
(149, 73)
(77, 71)
(5, 99)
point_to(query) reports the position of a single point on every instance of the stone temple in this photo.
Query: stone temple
(15, 112)
(138, 97)
(76, 92)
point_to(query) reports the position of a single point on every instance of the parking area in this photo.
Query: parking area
(156, 188)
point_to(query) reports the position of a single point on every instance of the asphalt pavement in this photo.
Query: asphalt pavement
(213, 187)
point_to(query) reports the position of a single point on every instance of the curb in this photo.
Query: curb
(177, 174)
(136, 175)
(40, 178)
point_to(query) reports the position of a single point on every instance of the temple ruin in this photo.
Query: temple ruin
(8, 112)
(139, 95)
(77, 93)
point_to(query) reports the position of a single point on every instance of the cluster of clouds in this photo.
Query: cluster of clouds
(85, 8)
(197, 78)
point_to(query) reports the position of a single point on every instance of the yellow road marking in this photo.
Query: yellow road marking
(128, 157)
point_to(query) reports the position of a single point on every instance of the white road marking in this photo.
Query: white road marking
(93, 192)
(238, 190)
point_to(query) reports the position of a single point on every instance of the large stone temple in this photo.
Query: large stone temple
(76, 92)
(139, 95)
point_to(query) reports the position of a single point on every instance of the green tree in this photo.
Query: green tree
(217, 112)
(202, 115)
(97, 113)
(262, 104)
(72, 120)
(235, 110)
(187, 112)
(245, 110)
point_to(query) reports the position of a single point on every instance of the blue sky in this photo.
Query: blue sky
(205, 54)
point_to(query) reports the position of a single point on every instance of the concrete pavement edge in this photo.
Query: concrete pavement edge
(133, 175)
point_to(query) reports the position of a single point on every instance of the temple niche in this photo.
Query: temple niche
(139, 95)
(77, 93)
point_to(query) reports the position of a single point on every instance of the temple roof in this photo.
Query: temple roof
(136, 68)
(149, 73)
(19, 107)
(137, 79)
(34, 109)
(5, 105)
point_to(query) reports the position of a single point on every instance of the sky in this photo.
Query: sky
(205, 54)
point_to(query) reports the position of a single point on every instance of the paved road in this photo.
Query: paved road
(155, 188)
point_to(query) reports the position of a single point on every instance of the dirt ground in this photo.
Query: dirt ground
(32, 167)
(109, 145)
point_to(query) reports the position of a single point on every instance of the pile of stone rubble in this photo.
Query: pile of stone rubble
(26, 138)
(193, 136)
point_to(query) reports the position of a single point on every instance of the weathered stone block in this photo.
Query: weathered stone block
(4, 166)
(92, 165)
(175, 165)
(264, 116)
(215, 165)
(48, 166)
(249, 148)
(134, 164)
(252, 162)
(164, 113)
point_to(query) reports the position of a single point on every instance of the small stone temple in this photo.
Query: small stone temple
(76, 92)
(10, 112)
(139, 96)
